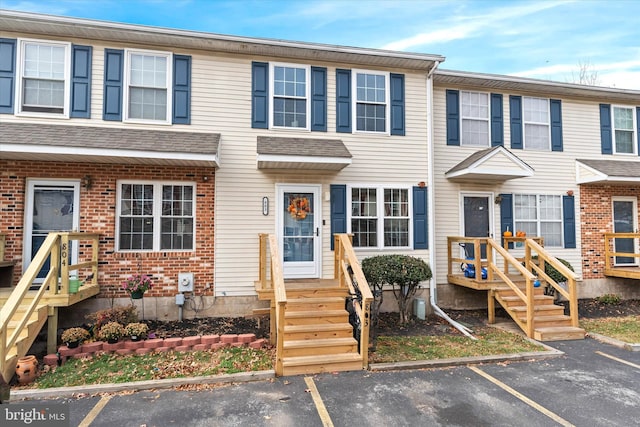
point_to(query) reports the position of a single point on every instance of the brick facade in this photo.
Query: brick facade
(596, 218)
(98, 215)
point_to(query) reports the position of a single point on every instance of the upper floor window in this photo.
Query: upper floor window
(44, 74)
(539, 215)
(290, 98)
(371, 101)
(156, 216)
(475, 118)
(536, 123)
(148, 79)
(623, 135)
(380, 217)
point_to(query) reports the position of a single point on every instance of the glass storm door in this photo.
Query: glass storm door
(625, 217)
(51, 206)
(476, 220)
(299, 230)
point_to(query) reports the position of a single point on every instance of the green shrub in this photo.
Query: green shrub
(610, 299)
(552, 271)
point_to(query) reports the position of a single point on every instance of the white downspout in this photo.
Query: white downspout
(433, 298)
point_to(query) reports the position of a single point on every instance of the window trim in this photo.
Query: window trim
(634, 126)
(525, 122)
(538, 220)
(380, 215)
(126, 86)
(354, 101)
(21, 42)
(272, 96)
(156, 213)
(488, 120)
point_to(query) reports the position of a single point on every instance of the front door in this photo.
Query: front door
(625, 220)
(50, 206)
(299, 224)
(476, 218)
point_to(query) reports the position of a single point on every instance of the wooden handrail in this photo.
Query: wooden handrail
(610, 254)
(349, 274)
(269, 245)
(3, 239)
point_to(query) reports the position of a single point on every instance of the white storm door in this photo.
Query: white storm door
(625, 220)
(299, 225)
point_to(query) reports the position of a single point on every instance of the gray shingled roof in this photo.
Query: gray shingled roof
(303, 147)
(109, 138)
(471, 159)
(615, 168)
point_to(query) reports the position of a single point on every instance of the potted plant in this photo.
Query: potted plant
(137, 331)
(73, 337)
(111, 332)
(137, 285)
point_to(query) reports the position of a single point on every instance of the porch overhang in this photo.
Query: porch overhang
(607, 171)
(44, 142)
(302, 154)
(496, 164)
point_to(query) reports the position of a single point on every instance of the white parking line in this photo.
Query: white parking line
(322, 410)
(525, 399)
(93, 413)
(618, 360)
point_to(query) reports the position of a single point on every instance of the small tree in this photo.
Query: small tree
(402, 272)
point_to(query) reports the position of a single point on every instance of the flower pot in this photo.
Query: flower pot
(27, 369)
(137, 294)
(73, 344)
(135, 338)
(74, 285)
(112, 340)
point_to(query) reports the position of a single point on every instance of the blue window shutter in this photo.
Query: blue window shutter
(606, 138)
(81, 81)
(7, 75)
(319, 99)
(338, 210)
(569, 214)
(397, 103)
(515, 108)
(420, 218)
(497, 121)
(260, 95)
(343, 101)
(181, 90)
(506, 215)
(113, 73)
(638, 130)
(453, 117)
(556, 124)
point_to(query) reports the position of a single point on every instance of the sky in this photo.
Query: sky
(544, 39)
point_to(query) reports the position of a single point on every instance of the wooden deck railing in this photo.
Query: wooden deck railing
(349, 274)
(56, 248)
(610, 252)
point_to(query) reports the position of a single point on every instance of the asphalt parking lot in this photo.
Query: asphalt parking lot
(593, 384)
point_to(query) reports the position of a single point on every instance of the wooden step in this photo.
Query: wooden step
(324, 363)
(548, 321)
(315, 303)
(315, 317)
(539, 310)
(514, 301)
(326, 346)
(506, 291)
(558, 333)
(314, 331)
(316, 292)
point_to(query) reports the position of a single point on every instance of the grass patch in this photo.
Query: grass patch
(110, 368)
(490, 341)
(625, 329)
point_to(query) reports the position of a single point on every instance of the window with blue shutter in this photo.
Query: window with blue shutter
(556, 124)
(319, 99)
(81, 81)
(569, 220)
(420, 218)
(260, 95)
(506, 215)
(343, 101)
(181, 89)
(606, 138)
(638, 128)
(453, 117)
(515, 109)
(7, 75)
(113, 73)
(397, 103)
(338, 210)
(497, 121)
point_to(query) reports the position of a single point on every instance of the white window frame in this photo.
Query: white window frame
(547, 124)
(477, 119)
(355, 102)
(156, 213)
(126, 83)
(538, 220)
(380, 215)
(634, 126)
(20, 78)
(272, 96)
